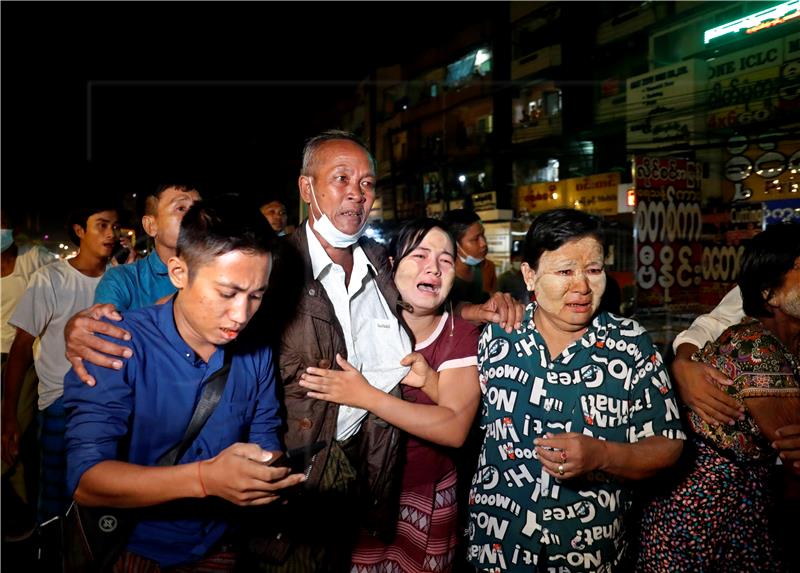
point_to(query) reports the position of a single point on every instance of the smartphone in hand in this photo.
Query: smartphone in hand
(299, 460)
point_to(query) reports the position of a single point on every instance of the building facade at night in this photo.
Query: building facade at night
(551, 104)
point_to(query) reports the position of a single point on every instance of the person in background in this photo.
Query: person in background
(19, 262)
(716, 516)
(476, 278)
(55, 292)
(426, 536)
(576, 405)
(275, 212)
(131, 286)
(221, 269)
(512, 280)
(143, 282)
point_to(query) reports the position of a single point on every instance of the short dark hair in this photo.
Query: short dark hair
(459, 220)
(273, 200)
(221, 225)
(151, 199)
(553, 228)
(767, 258)
(313, 145)
(410, 235)
(80, 216)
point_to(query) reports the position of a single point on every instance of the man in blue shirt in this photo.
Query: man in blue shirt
(220, 270)
(145, 281)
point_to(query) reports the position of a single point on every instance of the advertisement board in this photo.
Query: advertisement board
(540, 197)
(753, 85)
(595, 194)
(763, 166)
(667, 227)
(661, 104)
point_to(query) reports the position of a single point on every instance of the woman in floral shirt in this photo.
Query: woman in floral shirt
(716, 517)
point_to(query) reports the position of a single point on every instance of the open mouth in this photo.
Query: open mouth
(230, 333)
(579, 306)
(429, 288)
(354, 214)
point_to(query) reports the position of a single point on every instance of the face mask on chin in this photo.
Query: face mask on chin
(469, 259)
(6, 239)
(325, 229)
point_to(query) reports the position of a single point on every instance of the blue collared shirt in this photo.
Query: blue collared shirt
(151, 400)
(136, 284)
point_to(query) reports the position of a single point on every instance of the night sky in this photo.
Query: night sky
(115, 97)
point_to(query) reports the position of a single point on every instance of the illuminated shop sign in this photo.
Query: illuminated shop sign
(753, 23)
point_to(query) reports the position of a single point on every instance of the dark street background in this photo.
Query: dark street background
(119, 96)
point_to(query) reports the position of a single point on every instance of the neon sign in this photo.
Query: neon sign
(753, 23)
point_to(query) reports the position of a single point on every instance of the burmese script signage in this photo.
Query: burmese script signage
(667, 231)
(596, 193)
(754, 85)
(540, 197)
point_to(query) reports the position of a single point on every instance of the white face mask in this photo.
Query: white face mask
(469, 259)
(333, 236)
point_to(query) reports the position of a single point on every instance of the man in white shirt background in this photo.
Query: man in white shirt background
(19, 261)
(55, 292)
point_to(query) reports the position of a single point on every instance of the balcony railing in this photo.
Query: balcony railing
(537, 129)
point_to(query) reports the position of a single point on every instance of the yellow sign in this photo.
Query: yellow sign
(596, 193)
(765, 168)
(540, 197)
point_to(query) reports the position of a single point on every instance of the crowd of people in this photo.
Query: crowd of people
(260, 397)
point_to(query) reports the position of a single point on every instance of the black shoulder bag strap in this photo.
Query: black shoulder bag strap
(209, 399)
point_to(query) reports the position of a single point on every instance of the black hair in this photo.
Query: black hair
(80, 216)
(313, 145)
(458, 221)
(273, 200)
(767, 258)
(552, 229)
(152, 198)
(221, 225)
(409, 237)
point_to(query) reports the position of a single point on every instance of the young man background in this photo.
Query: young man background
(54, 294)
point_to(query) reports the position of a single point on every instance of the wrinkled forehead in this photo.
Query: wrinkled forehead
(172, 195)
(577, 252)
(342, 154)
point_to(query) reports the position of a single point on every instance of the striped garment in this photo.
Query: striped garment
(426, 534)
(54, 499)
(425, 539)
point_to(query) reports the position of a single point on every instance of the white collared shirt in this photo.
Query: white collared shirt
(708, 327)
(375, 340)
